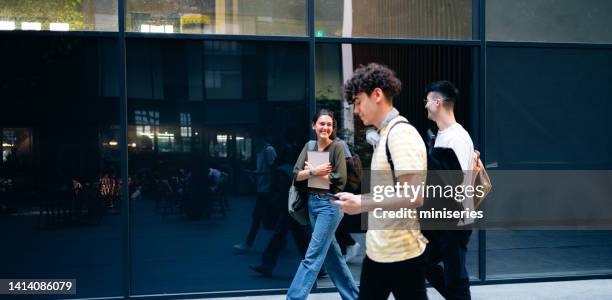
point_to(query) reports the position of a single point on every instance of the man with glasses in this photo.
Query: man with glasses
(450, 246)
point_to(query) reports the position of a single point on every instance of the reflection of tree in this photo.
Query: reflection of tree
(44, 11)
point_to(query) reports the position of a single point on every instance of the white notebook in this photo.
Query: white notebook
(316, 158)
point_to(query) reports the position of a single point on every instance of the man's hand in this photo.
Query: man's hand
(348, 203)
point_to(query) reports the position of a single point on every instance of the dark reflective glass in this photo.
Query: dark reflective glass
(200, 114)
(558, 104)
(542, 253)
(547, 109)
(60, 204)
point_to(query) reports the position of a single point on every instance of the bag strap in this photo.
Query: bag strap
(389, 158)
(312, 145)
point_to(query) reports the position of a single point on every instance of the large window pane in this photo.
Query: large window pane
(248, 17)
(59, 15)
(199, 113)
(585, 21)
(549, 106)
(419, 19)
(60, 200)
(546, 109)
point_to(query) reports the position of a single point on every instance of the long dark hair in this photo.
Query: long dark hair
(326, 112)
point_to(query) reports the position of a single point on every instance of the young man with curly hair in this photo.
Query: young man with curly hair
(394, 261)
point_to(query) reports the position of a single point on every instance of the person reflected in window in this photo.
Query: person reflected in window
(266, 158)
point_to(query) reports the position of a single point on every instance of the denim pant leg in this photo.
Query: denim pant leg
(339, 271)
(324, 218)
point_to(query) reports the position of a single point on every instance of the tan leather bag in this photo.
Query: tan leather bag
(480, 178)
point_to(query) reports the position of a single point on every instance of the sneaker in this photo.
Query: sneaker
(352, 252)
(265, 271)
(242, 248)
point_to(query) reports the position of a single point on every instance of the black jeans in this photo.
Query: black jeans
(259, 212)
(449, 247)
(285, 224)
(405, 279)
(343, 236)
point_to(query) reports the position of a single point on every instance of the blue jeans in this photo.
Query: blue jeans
(323, 248)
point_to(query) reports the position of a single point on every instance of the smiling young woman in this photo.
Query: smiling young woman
(324, 216)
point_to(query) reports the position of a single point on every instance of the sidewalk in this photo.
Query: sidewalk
(583, 289)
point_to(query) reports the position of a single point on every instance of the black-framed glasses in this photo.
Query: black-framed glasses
(427, 100)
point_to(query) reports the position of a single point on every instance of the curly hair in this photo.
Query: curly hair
(367, 78)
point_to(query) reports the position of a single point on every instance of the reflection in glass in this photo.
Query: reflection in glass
(246, 17)
(60, 208)
(243, 148)
(420, 19)
(59, 15)
(197, 110)
(218, 146)
(549, 253)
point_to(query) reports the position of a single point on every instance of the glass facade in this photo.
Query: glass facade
(524, 80)
(230, 78)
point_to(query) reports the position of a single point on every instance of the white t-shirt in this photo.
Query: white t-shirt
(458, 139)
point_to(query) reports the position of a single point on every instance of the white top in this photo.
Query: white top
(458, 139)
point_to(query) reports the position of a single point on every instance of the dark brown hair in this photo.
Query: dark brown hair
(366, 78)
(326, 112)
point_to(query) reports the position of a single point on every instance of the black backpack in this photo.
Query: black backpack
(443, 168)
(354, 172)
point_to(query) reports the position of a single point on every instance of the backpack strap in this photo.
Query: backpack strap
(389, 158)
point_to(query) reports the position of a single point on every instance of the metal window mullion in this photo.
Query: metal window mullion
(123, 146)
(481, 126)
(312, 102)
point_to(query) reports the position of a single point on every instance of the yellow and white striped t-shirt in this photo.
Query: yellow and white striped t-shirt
(409, 155)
